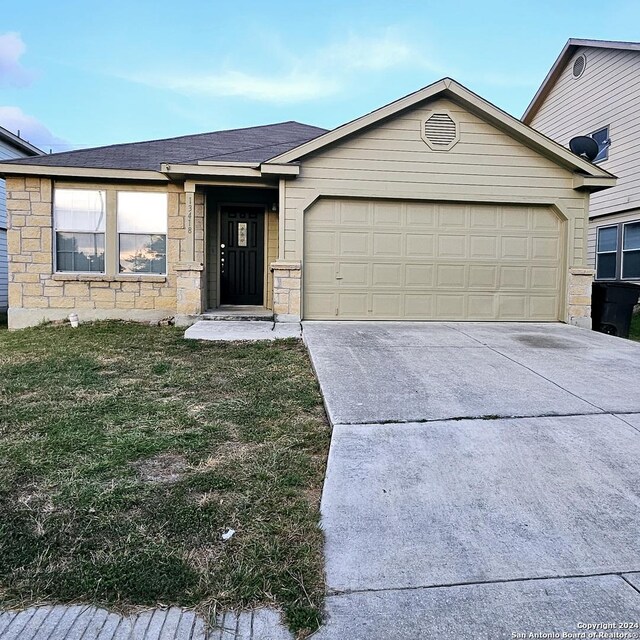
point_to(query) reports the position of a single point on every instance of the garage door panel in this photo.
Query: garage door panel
(322, 273)
(484, 218)
(483, 277)
(321, 243)
(431, 261)
(452, 246)
(418, 305)
(387, 214)
(449, 306)
(451, 216)
(353, 305)
(353, 243)
(515, 247)
(354, 274)
(357, 213)
(483, 247)
(387, 305)
(515, 218)
(543, 248)
(421, 215)
(387, 244)
(545, 278)
(452, 276)
(420, 245)
(540, 307)
(482, 306)
(513, 277)
(387, 275)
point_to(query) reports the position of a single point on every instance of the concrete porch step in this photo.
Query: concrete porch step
(243, 331)
(238, 313)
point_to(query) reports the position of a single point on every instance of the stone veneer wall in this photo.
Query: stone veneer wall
(36, 294)
(287, 279)
(579, 297)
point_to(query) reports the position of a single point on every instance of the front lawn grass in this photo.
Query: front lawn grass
(125, 453)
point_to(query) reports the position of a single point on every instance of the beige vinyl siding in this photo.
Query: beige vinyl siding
(607, 94)
(627, 216)
(391, 160)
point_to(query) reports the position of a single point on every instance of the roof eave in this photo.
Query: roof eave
(15, 169)
(230, 170)
(359, 123)
(565, 55)
(549, 81)
(18, 143)
(593, 183)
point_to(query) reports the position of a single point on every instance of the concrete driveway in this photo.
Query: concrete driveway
(483, 479)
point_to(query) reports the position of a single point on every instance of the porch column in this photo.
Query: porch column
(579, 297)
(189, 292)
(189, 251)
(287, 278)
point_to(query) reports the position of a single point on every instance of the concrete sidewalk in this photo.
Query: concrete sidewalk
(483, 479)
(81, 622)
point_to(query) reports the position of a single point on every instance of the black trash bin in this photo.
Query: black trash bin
(612, 307)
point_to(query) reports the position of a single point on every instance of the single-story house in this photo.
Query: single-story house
(11, 146)
(438, 206)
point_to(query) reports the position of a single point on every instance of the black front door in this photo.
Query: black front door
(241, 255)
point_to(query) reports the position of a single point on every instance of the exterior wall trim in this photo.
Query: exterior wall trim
(8, 169)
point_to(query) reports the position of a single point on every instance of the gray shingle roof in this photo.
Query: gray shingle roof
(253, 144)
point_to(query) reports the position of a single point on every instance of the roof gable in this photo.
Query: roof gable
(475, 104)
(559, 65)
(17, 142)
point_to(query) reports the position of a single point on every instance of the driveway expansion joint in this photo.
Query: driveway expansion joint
(537, 373)
(482, 418)
(620, 574)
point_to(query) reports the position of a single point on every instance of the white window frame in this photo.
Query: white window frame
(56, 230)
(128, 274)
(623, 250)
(615, 252)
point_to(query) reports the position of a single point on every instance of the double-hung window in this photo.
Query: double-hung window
(142, 232)
(607, 253)
(618, 252)
(79, 220)
(631, 251)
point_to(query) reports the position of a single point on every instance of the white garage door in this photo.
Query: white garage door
(391, 260)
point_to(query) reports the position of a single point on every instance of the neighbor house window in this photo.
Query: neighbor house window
(607, 253)
(79, 220)
(142, 232)
(602, 138)
(631, 250)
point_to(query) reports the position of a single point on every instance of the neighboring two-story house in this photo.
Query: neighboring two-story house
(593, 89)
(11, 146)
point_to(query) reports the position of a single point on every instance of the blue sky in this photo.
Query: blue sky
(86, 73)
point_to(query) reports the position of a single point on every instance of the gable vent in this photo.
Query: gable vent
(579, 66)
(440, 131)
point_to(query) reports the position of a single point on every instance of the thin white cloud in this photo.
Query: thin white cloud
(12, 71)
(379, 52)
(322, 73)
(31, 129)
(507, 80)
(289, 87)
